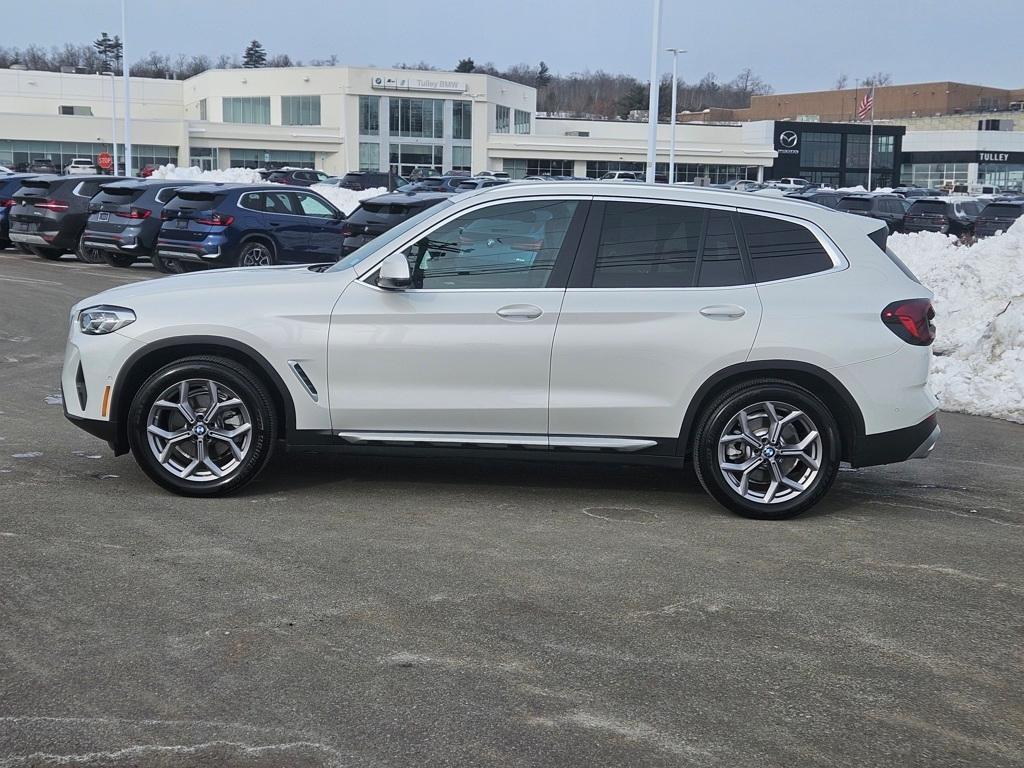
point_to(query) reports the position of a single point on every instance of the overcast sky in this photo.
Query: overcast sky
(792, 44)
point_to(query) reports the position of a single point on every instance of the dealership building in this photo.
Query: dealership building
(347, 118)
(344, 118)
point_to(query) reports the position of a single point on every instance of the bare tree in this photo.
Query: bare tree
(841, 82)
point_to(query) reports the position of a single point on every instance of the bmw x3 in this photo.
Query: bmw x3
(762, 339)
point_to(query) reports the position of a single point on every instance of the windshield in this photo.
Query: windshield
(384, 240)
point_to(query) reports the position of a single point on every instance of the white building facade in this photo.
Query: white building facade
(344, 118)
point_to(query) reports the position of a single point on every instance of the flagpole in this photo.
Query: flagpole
(871, 137)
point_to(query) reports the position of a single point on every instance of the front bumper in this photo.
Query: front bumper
(916, 442)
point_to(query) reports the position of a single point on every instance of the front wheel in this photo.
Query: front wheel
(767, 449)
(202, 426)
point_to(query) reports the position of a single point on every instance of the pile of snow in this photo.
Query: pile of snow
(231, 175)
(979, 304)
(346, 200)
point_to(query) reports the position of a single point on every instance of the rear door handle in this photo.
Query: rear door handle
(520, 312)
(723, 311)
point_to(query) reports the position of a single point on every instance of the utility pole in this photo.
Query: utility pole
(672, 140)
(127, 91)
(113, 117)
(652, 104)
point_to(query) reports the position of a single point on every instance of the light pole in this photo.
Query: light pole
(127, 92)
(672, 136)
(652, 104)
(113, 118)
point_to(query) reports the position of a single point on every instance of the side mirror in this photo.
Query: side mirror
(394, 273)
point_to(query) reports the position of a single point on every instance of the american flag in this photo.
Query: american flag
(867, 105)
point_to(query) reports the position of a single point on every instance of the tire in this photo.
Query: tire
(121, 260)
(173, 266)
(257, 253)
(184, 437)
(50, 254)
(767, 464)
(87, 254)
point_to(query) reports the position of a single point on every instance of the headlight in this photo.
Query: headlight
(97, 321)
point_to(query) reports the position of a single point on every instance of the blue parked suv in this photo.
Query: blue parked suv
(9, 184)
(228, 225)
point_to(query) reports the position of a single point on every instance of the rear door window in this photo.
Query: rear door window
(720, 260)
(280, 202)
(648, 245)
(780, 249)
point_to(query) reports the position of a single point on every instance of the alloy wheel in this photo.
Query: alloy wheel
(770, 452)
(199, 430)
(256, 255)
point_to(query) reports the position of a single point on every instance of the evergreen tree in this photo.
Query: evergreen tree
(104, 46)
(543, 75)
(465, 65)
(255, 55)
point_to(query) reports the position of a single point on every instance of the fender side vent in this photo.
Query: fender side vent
(83, 393)
(304, 380)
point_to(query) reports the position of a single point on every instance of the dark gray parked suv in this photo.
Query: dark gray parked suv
(124, 219)
(377, 215)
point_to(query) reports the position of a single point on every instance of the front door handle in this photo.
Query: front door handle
(520, 312)
(723, 311)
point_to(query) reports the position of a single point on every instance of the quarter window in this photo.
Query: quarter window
(648, 245)
(511, 245)
(780, 249)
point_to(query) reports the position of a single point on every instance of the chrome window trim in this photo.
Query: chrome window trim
(295, 192)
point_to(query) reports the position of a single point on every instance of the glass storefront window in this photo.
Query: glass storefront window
(501, 119)
(254, 110)
(933, 175)
(300, 110)
(369, 115)
(416, 118)
(369, 156)
(719, 174)
(18, 155)
(405, 158)
(271, 158)
(820, 149)
(520, 168)
(462, 119)
(462, 158)
(1005, 176)
(884, 151)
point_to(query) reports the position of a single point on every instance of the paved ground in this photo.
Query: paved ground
(370, 613)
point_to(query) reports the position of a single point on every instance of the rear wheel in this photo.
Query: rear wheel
(119, 259)
(51, 254)
(173, 266)
(202, 426)
(87, 254)
(767, 449)
(257, 253)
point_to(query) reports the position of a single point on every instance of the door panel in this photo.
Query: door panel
(626, 362)
(466, 347)
(288, 229)
(442, 361)
(323, 231)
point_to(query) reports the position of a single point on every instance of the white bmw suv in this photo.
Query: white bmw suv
(766, 340)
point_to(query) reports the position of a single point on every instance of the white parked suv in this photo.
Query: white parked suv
(81, 166)
(764, 339)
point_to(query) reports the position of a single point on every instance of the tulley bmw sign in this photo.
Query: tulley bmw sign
(383, 82)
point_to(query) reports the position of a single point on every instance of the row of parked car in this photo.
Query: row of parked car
(956, 215)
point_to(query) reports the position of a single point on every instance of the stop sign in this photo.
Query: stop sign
(104, 160)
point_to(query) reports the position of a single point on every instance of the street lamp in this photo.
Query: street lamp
(672, 137)
(652, 104)
(127, 92)
(113, 118)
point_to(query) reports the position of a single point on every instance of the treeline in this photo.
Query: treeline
(579, 94)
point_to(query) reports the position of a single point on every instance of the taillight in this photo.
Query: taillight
(911, 320)
(138, 213)
(217, 220)
(6, 203)
(51, 205)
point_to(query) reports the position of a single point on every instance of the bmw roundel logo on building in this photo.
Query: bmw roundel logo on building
(788, 139)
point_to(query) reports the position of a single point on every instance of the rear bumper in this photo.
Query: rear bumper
(916, 442)
(943, 228)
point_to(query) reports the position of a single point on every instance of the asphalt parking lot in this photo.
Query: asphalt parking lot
(345, 612)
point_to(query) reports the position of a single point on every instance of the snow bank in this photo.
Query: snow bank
(231, 175)
(345, 199)
(979, 303)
